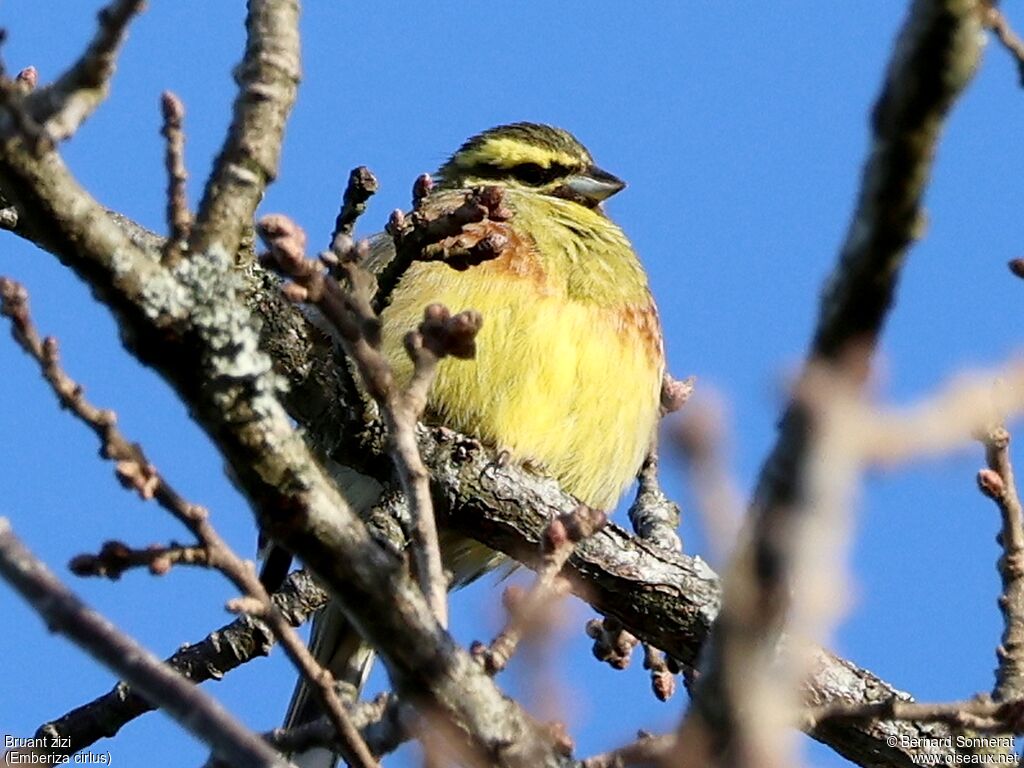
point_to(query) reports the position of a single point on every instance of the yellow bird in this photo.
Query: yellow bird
(570, 359)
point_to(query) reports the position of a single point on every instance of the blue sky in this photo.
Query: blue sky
(741, 129)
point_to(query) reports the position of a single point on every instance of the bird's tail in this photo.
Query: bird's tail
(334, 641)
(337, 646)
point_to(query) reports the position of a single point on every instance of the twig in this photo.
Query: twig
(268, 79)
(444, 236)
(675, 393)
(65, 104)
(700, 435)
(179, 218)
(613, 644)
(350, 741)
(116, 557)
(997, 482)
(362, 185)
(132, 466)
(136, 472)
(654, 516)
(1010, 40)
(647, 750)
(957, 413)
(560, 539)
(226, 648)
(980, 714)
(383, 723)
(196, 711)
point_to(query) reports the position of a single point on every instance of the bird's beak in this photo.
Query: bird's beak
(595, 185)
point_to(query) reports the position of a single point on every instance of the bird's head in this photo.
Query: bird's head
(530, 156)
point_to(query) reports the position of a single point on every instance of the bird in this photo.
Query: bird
(569, 361)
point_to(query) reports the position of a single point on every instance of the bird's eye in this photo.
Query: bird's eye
(537, 175)
(532, 174)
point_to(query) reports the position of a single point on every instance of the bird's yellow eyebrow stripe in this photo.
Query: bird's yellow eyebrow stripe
(505, 152)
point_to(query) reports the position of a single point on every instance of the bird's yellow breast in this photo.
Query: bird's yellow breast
(569, 360)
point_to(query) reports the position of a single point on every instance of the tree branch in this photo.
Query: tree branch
(268, 79)
(65, 104)
(997, 482)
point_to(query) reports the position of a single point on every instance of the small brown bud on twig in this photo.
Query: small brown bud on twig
(492, 199)
(27, 79)
(422, 187)
(478, 651)
(991, 484)
(675, 393)
(555, 535)
(246, 604)
(143, 479)
(396, 224)
(512, 597)
(160, 565)
(583, 522)
(612, 643)
(560, 737)
(664, 685)
(295, 293)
